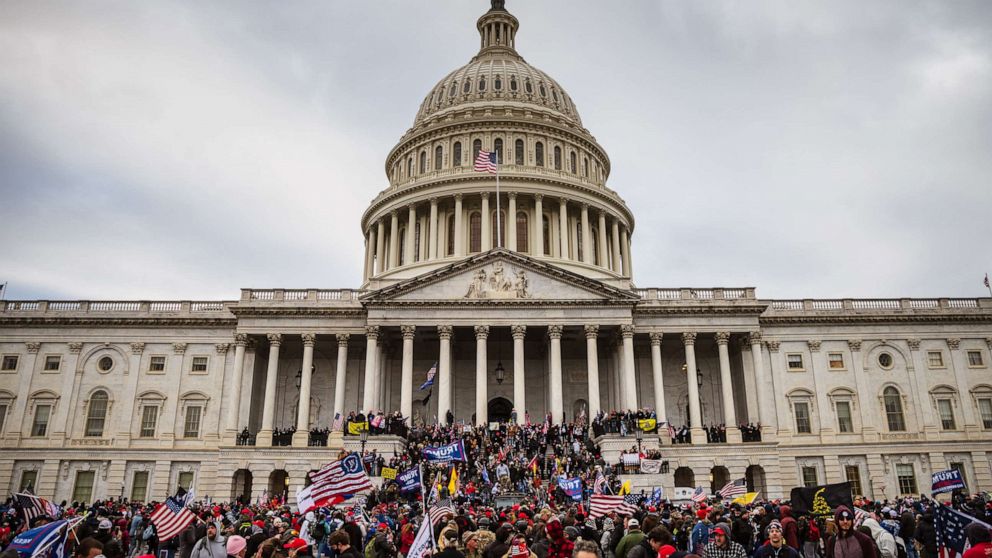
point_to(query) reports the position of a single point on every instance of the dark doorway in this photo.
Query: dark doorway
(499, 409)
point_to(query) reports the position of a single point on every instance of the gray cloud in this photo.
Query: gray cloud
(183, 150)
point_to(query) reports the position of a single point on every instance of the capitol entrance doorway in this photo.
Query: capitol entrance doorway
(499, 409)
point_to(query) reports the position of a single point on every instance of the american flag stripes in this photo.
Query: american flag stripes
(430, 377)
(600, 485)
(699, 495)
(440, 509)
(170, 519)
(338, 479)
(949, 525)
(486, 162)
(33, 507)
(602, 504)
(734, 489)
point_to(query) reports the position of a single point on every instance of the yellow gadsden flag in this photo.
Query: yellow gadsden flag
(745, 499)
(453, 483)
(647, 424)
(355, 428)
(624, 489)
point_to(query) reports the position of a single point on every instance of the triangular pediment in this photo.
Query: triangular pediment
(502, 276)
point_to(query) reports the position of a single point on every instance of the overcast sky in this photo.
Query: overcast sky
(160, 150)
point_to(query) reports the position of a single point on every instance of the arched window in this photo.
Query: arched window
(456, 154)
(482, 83)
(539, 154)
(438, 156)
(402, 247)
(522, 228)
(451, 235)
(467, 87)
(893, 409)
(554, 94)
(476, 148)
(498, 148)
(518, 152)
(578, 240)
(423, 162)
(557, 158)
(585, 166)
(513, 83)
(497, 83)
(500, 232)
(571, 162)
(544, 92)
(454, 89)
(475, 232)
(416, 241)
(528, 87)
(96, 413)
(546, 228)
(409, 167)
(594, 245)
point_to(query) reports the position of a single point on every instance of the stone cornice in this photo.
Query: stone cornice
(92, 321)
(301, 311)
(693, 308)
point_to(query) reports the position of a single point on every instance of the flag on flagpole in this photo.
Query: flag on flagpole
(745, 499)
(441, 509)
(734, 489)
(338, 480)
(533, 464)
(603, 504)
(986, 281)
(430, 377)
(949, 525)
(423, 544)
(624, 488)
(699, 495)
(600, 484)
(170, 518)
(485, 161)
(32, 506)
(453, 483)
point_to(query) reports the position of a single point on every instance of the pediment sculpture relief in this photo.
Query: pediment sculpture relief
(497, 284)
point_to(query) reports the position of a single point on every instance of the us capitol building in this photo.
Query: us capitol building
(111, 398)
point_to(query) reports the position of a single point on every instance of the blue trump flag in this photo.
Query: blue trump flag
(454, 451)
(409, 480)
(946, 481)
(572, 487)
(41, 540)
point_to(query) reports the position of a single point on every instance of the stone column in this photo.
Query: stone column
(394, 239)
(695, 415)
(592, 365)
(237, 379)
(629, 380)
(959, 366)
(602, 258)
(264, 437)
(411, 233)
(519, 388)
(538, 227)
(15, 428)
(659, 382)
(432, 237)
(510, 223)
(369, 255)
(922, 388)
(487, 224)
(371, 352)
(726, 385)
(406, 372)
(586, 235)
(481, 362)
(444, 333)
(302, 435)
(340, 376)
(818, 366)
(380, 247)
(869, 428)
(563, 228)
(766, 404)
(625, 254)
(615, 237)
(555, 388)
(459, 224)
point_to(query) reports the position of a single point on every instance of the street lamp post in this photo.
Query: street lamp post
(639, 435)
(364, 437)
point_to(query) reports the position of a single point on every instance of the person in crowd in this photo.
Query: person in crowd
(721, 546)
(775, 547)
(848, 542)
(340, 543)
(236, 546)
(211, 545)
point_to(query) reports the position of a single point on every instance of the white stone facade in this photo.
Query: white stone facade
(107, 398)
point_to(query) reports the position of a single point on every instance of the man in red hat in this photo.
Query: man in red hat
(721, 546)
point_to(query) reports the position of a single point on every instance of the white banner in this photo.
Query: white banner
(651, 466)
(630, 458)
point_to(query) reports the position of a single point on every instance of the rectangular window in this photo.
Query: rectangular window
(795, 361)
(853, 474)
(149, 417)
(946, 411)
(809, 477)
(156, 364)
(975, 359)
(3, 415)
(82, 491)
(836, 361)
(985, 409)
(139, 486)
(844, 422)
(29, 481)
(9, 362)
(186, 479)
(199, 364)
(906, 477)
(935, 359)
(191, 426)
(53, 362)
(39, 427)
(802, 417)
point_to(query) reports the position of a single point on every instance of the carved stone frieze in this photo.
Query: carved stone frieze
(497, 284)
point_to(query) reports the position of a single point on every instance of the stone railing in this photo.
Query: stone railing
(115, 307)
(300, 295)
(504, 170)
(718, 293)
(878, 304)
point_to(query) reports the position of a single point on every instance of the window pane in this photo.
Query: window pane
(498, 149)
(96, 415)
(29, 481)
(156, 364)
(475, 232)
(557, 158)
(82, 491)
(200, 364)
(946, 411)
(975, 358)
(893, 410)
(3, 415)
(518, 152)
(191, 428)
(809, 477)
(795, 362)
(499, 236)
(802, 418)
(139, 486)
(844, 422)
(40, 425)
(438, 156)
(451, 236)
(9, 362)
(186, 479)
(53, 362)
(539, 154)
(456, 156)
(935, 359)
(836, 361)
(985, 408)
(149, 416)
(853, 475)
(522, 228)
(906, 477)
(476, 148)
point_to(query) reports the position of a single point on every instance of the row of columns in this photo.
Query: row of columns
(613, 252)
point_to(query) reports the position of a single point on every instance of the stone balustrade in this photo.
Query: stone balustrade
(116, 307)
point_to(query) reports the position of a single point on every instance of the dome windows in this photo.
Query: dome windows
(498, 149)
(456, 154)
(409, 167)
(454, 89)
(528, 87)
(572, 162)
(438, 156)
(518, 152)
(544, 92)
(467, 87)
(475, 232)
(554, 95)
(498, 83)
(476, 148)
(513, 83)
(482, 84)
(539, 154)
(423, 162)
(557, 158)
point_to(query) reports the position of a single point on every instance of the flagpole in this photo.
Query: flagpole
(987, 284)
(499, 225)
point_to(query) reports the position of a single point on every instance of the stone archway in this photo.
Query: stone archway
(241, 486)
(499, 409)
(755, 478)
(684, 478)
(278, 483)
(580, 408)
(719, 477)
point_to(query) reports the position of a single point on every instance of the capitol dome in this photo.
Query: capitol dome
(550, 200)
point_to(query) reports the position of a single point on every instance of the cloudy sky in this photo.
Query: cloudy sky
(163, 150)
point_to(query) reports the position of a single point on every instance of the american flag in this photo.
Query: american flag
(699, 495)
(734, 489)
(171, 518)
(486, 162)
(440, 509)
(986, 279)
(602, 504)
(33, 507)
(600, 484)
(338, 479)
(950, 524)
